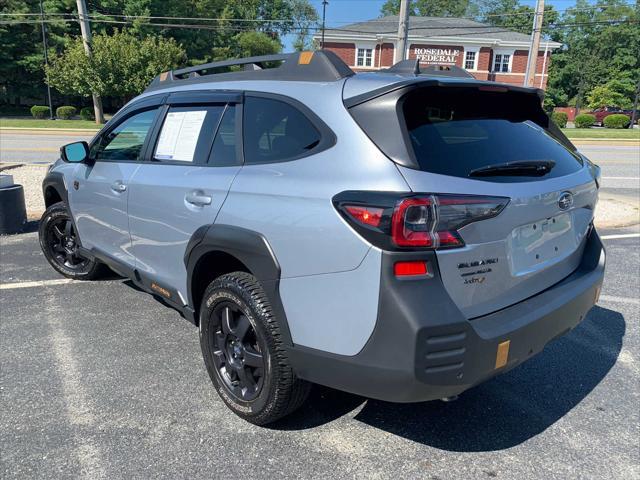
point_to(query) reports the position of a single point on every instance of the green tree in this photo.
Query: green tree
(429, 8)
(248, 44)
(614, 93)
(21, 53)
(601, 43)
(22, 61)
(513, 16)
(304, 17)
(122, 65)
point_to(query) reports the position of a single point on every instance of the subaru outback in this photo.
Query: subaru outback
(401, 235)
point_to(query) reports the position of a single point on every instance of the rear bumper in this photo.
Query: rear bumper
(423, 348)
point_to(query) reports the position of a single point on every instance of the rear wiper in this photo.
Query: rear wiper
(515, 169)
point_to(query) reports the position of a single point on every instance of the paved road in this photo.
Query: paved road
(34, 148)
(620, 167)
(101, 381)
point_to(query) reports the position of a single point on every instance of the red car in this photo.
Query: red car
(601, 113)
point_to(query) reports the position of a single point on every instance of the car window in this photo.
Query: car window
(126, 140)
(187, 133)
(276, 131)
(223, 153)
(456, 131)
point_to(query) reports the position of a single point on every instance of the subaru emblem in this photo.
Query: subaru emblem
(565, 201)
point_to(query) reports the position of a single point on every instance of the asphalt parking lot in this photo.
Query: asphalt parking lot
(99, 380)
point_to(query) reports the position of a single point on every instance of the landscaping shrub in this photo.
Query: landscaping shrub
(616, 120)
(65, 112)
(86, 113)
(40, 111)
(560, 119)
(585, 120)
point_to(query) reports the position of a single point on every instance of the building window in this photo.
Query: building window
(364, 57)
(501, 62)
(470, 60)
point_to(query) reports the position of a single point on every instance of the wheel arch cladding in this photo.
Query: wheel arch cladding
(218, 249)
(54, 190)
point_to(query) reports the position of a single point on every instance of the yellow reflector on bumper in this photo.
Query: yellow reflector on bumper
(502, 354)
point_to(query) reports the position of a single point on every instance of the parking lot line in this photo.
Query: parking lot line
(622, 235)
(38, 283)
(79, 408)
(614, 299)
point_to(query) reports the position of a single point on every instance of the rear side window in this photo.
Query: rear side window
(275, 131)
(223, 153)
(456, 131)
(187, 134)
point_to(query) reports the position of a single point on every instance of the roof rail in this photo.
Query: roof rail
(318, 66)
(412, 67)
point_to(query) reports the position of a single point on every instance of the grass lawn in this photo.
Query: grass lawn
(604, 133)
(36, 123)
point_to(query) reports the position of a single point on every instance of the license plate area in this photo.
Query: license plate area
(540, 244)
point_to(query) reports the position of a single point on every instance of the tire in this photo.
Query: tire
(243, 352)
(58, 241)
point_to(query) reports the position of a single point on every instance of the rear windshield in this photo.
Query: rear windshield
(454, 131)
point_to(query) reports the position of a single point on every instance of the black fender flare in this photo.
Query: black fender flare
(250, 248)
(55, 180)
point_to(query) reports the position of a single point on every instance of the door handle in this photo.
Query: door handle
(198, 198)
(118, 187)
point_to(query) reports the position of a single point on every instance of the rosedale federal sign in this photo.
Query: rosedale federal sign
(440, 56)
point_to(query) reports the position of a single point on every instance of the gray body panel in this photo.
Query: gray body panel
(162, 220)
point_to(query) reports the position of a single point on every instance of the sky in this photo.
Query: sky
(341, 12)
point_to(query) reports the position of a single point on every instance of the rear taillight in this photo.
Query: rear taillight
(415, 221)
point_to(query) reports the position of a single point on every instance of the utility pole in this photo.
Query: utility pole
(46, 59)
(530, 75)
(85, 29)
(403, 30)
(324, 14)
(634, 113)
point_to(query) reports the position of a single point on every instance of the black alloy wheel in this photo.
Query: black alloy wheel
(63, 244)
(237, 355)
(243, 350)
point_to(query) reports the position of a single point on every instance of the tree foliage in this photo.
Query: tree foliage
(614, 93)
(122, 65)
(429, 8)
(225, 28)
(513, 16)
(597, 48)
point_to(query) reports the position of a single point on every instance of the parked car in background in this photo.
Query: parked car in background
(603, 112)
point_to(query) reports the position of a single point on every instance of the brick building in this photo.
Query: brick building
(489, 53)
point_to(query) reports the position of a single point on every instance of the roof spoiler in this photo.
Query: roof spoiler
(412, 67)
(317, 66)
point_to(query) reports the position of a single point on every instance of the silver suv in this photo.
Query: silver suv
(401, 235)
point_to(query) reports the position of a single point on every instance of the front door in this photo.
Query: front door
(100, 191)
(181, 189)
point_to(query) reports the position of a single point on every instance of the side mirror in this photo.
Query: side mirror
(76, 152)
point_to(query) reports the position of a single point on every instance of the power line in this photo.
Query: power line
(476, 28)
(285, 20)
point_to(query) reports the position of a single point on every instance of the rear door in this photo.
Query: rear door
(491, 141)
(194, 159)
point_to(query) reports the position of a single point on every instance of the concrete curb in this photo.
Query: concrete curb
(614, 143)
(49, 131)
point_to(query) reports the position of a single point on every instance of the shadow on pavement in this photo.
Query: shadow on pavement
(500, 413)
